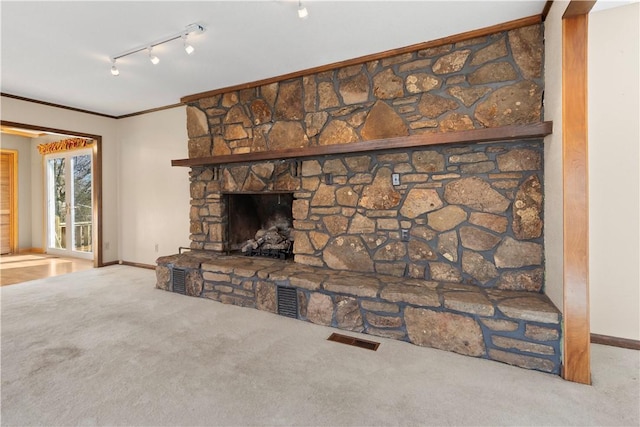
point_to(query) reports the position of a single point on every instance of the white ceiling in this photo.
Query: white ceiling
(58, 52)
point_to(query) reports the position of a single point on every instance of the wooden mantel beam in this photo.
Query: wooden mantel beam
(504, 133)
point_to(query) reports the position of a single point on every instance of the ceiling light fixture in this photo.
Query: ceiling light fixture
(154, 59)
(302, 11)
(114, 69)
(189, 29)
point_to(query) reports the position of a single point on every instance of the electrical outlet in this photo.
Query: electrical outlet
(404, 234)
(157, 247)
(395, 179)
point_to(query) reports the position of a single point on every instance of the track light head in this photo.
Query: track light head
(187, 47)
(114, 69)
(154, 59)
(302, 11)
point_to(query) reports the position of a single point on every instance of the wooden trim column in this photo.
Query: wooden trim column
(577, 356)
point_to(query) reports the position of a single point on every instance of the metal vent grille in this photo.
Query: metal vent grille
(357, 342)
(178, 280)
(287, 302)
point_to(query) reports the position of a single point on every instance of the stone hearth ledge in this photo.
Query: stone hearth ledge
(515, 327)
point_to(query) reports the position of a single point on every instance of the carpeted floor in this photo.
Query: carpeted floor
(104, 347)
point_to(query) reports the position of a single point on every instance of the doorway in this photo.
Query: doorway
(8, 201)
(69, 208)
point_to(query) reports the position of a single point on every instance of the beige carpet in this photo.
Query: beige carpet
(103, 347)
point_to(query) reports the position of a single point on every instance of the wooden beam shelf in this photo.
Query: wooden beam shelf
(504, 133)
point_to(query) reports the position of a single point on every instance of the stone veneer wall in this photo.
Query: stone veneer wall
(489, 81)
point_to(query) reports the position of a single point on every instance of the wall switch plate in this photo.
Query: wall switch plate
(404, 234)
(395, 179)
(328, 178)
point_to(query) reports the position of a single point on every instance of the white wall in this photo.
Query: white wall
(553, 221)
(30, 113)
(154, 196)
(614, 171)
(23, 146)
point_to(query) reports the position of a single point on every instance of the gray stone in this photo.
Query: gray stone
(478, 267)
(445, 331)
(526, 346)
(536, 308)
(500, 325)
(469, 302)
(528, 362)
(320, 309)
(266, 296)
(348, 314)
(411, 295)
(540, 333)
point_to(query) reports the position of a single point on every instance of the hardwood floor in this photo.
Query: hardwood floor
(23, 267)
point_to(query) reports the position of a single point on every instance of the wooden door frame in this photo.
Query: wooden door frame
(575, 116)
(96, 150)
(13, 200)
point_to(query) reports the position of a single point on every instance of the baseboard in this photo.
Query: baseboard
(107, 264)
(615, 342)
(31, 251)
(139, 265)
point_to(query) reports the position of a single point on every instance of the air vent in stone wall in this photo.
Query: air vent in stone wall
(178, 280)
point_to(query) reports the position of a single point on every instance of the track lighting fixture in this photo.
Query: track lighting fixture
(302, 11)
(183, 35)
(114, 69)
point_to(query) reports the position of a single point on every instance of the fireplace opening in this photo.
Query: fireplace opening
(261, 224)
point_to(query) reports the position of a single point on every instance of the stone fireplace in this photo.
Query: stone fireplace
(396, 231)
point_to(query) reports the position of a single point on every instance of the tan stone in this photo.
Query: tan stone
(362, 287)
(469, 302)
(361, 224)
(270, 93)
(346, 196)
(324, 196)
(314, 122)
(476, 266)
(380, 306)
(338, 132)
(419, 251)
(355, 90)
(380, 194)
(433, 106)
(260, 111)
(434, 51)
(420, 201)
(528, 362)
(495, 50)
(526, 346)
(468, 95)
(387, 85)
(527, 47)
(194, 283)
(199, 147)
(476, 239)
(320, 309)
(163, 277)
(519, 103)
(347, 253)
(421, 82)
(541, 333)
(286, 135)
(266, 296)
(263, 170)
(348, 314)
(289, 102)
(477, 168)
(335, 224)
(528, 280)
(455, 122)
(358, 163)
(527, 209)
(475, 193)
(492, 222)
(445, 331)
(210, 101)
(300, 209)
(309, 260)
(220, 147)
(197, 124)
(310, 93)
(536, 308)
(420, 64)
(319, 240)
(411, 295)
(229, 99)
(515, 254)
(451, 63)
(301, 243)
(383, 122)
(448, 245)
(384, 321)
(253, 183)
(391, 252)
(237, 115)
(493, 73)
(422, 232)
(428, 161)
(446, 218)
(334, 166)
(519, 159)
(500, 325)
(385, 224)
(327, 97)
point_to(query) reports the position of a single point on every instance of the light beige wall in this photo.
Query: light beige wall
(23, 146)
(553, 221)
(30, 113)
(154, 196)
(614, 171)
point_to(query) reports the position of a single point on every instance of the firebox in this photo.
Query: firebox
(260, 224)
